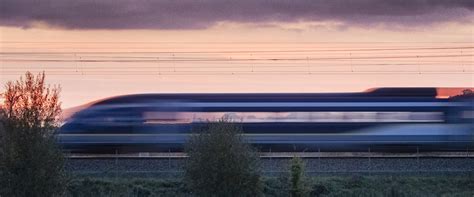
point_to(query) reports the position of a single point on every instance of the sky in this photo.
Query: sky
(101, 48)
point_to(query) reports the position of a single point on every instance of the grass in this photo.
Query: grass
(394, 186)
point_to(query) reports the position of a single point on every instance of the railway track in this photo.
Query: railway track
(341, 164)
(177, 155)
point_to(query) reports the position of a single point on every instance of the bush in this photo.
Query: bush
(220, 163)
(322, 186)
(31, 164)
(298, 186)
(319, 190)
(277, 187)
(126, 187)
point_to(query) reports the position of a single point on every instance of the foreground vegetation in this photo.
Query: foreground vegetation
(220, 162)
(318, 186)
(31, 164)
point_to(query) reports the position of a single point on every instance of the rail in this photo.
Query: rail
(158, 155)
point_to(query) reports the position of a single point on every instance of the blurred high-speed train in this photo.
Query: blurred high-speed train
(392, 119)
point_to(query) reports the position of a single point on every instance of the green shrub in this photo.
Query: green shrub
(220, 163)
(319, 190)
(378, 186)
(298, 187)
(126, 188)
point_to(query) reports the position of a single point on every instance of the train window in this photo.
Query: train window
(256, 117)
(111, 116)
(166, 117)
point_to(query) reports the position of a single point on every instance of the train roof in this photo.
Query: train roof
(402, 93)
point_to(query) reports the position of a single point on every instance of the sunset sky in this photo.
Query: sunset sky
(102, 48)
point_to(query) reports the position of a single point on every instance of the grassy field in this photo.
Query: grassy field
(320, 186)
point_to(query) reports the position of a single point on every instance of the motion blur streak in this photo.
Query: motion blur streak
(383, 119)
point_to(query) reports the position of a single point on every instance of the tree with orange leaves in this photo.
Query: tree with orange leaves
(30, 164)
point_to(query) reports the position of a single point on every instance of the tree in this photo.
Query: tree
(220, 163)
(2, 135)
(31, 164)
(298, 186)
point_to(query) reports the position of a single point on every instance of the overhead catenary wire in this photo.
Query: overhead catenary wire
(368, 58)
(235, 59)
(250, 51)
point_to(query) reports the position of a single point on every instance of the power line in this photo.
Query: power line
(245, 42)
(254, 51)
(192, 57)
(236, 59)
(224, 66)
(258, 73)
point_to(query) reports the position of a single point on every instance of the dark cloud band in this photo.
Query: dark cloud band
(195, 14)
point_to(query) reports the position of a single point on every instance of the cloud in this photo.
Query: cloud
(198, 14)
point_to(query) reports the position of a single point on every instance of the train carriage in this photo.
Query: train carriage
(388, 119)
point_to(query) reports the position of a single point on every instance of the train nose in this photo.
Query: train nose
(66, 128)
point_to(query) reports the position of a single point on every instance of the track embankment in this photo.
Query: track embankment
(171, 164)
